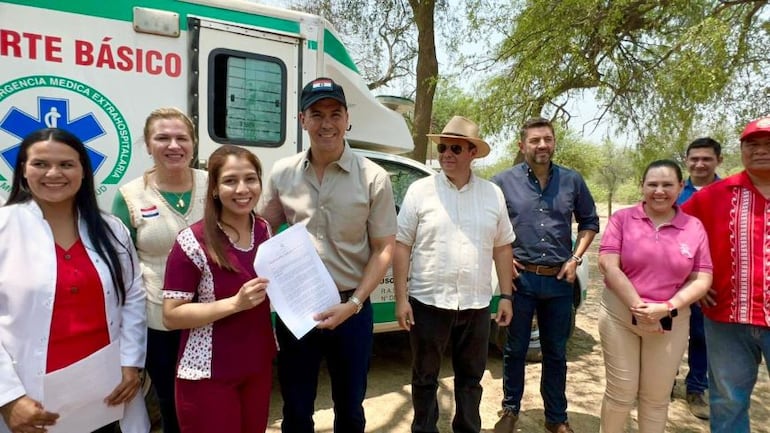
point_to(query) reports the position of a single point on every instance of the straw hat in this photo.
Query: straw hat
(460, 127)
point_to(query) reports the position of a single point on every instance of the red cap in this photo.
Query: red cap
(755, 126)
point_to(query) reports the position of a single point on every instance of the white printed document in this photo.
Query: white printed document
(77, 392)
(300, 285)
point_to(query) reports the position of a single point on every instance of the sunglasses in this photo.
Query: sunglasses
(455, 148)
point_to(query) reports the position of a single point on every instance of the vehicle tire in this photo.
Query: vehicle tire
(534, 354)
(498, 336)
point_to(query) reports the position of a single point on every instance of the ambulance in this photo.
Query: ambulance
(98, 68)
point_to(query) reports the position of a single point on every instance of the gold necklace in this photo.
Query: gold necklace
(179, 199)
(180, 203)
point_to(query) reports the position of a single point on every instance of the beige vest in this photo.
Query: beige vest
(157, 224)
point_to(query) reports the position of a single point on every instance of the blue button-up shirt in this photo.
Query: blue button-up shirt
(542, 219)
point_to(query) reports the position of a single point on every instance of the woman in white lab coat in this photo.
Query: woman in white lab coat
(70, 286)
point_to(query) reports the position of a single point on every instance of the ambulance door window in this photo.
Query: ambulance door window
(248, 105)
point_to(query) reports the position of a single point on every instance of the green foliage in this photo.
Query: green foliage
(450, 100)
(611, 182)
(380, 36)
(655, 66)
(574, 152)
(490, 170)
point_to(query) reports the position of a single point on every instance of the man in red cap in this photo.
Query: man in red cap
(736, 214)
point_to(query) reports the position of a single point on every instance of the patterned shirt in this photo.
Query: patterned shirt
(238, 345)
(737, 220)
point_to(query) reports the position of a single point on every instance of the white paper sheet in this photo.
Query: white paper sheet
(300, 285)
(77, 392)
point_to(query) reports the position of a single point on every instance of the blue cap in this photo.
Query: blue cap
(321, 88)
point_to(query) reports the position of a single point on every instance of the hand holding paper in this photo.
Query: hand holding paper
(334, 316)
(127, 388)
(300, 285)
(26, 412)
(251, 294)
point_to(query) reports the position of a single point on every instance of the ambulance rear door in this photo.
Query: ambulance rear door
(246, 90)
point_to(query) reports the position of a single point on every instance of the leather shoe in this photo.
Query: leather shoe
(559, 427)
(507, 422)
(698, 404)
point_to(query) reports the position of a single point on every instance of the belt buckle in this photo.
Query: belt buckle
(537, 269)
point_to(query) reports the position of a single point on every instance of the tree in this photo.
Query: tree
(386, 39)
(614, 167)
(572, 151)
(380, 35)
(659, 65)
(427, 74)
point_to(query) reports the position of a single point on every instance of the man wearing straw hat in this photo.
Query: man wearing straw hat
(542, 198)
(451, 227)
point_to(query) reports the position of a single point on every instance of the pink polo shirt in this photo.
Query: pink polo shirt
(656, 261)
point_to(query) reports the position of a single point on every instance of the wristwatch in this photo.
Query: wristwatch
(672, 312)
(577, 259)
(506, 296)
(354, 300)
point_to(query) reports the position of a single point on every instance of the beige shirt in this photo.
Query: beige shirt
(452, 233)
(353, 204)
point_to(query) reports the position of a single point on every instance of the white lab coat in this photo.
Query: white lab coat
(27, 288)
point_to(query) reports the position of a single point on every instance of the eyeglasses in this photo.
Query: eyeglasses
(455, 148)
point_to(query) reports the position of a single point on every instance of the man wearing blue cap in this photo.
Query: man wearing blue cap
(346, 203)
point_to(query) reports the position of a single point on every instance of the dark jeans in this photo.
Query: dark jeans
(552, 299)
(347, 350)
(467, 331)
(162, 352)
(697, 377)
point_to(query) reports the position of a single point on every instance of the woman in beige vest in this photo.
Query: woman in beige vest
(155, 207)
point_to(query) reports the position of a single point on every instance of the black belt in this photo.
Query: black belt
(546, 271)
(344, 296)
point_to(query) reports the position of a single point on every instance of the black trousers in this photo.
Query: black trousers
(109, 428)
(162, 353)
(435, 329)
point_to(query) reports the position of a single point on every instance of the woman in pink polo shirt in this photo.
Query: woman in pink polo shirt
(655, 261)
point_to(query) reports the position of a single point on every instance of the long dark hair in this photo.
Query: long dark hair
(99, 231)
(213, 211)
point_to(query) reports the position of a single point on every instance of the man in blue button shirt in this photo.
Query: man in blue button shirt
(542, 198)
(702, 159)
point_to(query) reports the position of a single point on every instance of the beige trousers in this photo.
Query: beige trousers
(640, 366)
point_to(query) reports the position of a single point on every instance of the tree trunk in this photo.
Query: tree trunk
(427, 73)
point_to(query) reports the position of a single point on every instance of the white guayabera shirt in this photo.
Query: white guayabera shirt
(452, 234)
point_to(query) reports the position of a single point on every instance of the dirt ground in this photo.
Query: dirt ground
(388, 402)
